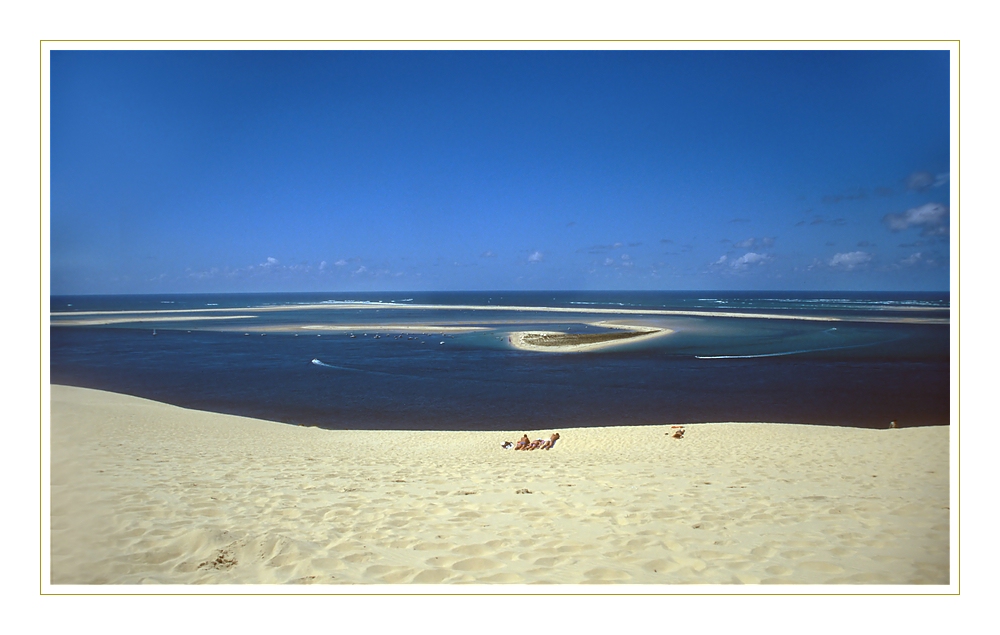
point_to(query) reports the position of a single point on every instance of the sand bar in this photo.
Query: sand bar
(491, 307)
(146, 319)
(558, 342)
(143, 492)
(429, 329)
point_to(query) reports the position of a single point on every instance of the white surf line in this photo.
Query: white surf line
(799, 352)
(413, 328)
(98, 322)
(534, 309)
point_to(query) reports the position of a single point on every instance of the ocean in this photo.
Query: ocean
(442, 361)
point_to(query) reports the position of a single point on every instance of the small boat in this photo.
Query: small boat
(154, 331)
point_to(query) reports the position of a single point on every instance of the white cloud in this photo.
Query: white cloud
(536, 257)
(919, 181)
(360, 270)
(341, 262)
(488, 254)
(322, 266)
(722, 260)
(912, 260)
(931, 217)
(923, 181)
(751, 243)
(851, 259)
(750, 258)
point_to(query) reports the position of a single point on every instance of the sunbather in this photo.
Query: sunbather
(548, 444)
(523, 443)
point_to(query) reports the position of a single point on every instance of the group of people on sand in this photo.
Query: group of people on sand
(538, 444)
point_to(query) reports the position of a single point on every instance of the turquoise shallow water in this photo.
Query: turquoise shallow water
(863, 369)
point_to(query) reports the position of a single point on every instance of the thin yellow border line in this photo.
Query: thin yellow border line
(958, 353)
(41, 317)
(41, 47)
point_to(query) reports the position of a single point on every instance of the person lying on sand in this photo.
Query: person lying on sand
(523, 443)
(552, 441)
(542, 444)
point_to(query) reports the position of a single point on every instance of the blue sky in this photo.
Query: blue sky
(226, 171)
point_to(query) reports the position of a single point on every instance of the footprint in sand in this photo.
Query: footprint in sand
(569, 549)
(395, 577)
(440, 561)
(741, 565)
(475, 564)
(327, 564)
(550, 562)
(661, 566)
(821, 567)
(743, 578)
(692, 563)
(433, 546)
(378, 570)
(795, 554)
(869, 578)
(504, 578)
(713, 555)
(431, 576)
(473, 550)
(603, 574)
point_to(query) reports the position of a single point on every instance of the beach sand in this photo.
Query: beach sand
(143, 492)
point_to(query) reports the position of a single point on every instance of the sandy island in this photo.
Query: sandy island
(557, 342)
(143, 492)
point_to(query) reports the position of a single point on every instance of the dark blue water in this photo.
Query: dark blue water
(857, 372)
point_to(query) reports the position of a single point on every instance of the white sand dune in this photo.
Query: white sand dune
(143, 492)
